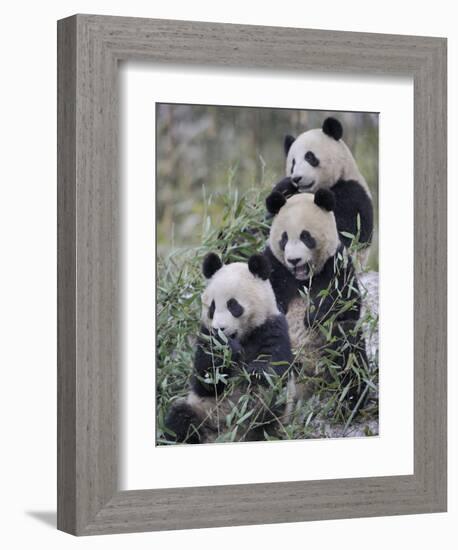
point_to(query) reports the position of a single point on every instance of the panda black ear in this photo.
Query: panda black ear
(333, 128)
(211, 264)
(287, 142)
(275, 201)
(259, 266)
(324, 198)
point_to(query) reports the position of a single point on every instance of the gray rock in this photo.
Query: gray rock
(368, 283)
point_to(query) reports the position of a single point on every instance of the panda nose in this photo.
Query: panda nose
(222, 329)
(294, 261)
(297, 179)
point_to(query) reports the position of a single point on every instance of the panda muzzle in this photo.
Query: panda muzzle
(301, 272)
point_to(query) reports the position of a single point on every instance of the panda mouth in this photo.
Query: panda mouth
(301, 272)
(230, 335)
(304, 186)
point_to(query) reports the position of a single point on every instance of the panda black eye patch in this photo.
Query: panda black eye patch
(293, 164)
(234, 307)
(311, 159)
(283, 240)
(211, 309)
(307, 239)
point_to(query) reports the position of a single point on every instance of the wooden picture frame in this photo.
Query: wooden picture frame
(89, 49)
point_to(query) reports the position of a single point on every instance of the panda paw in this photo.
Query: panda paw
(256, 371)
(286, 187)
(183, 422)
(231, 341)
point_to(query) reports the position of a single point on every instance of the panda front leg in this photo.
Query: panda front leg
(194, 419)
(348, 352)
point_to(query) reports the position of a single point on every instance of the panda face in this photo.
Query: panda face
(236, 301)
(316, 161)
(303, 236)
(298, 251)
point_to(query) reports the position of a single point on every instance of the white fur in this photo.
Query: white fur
(301, 213)
(253, 294)
(336, 162)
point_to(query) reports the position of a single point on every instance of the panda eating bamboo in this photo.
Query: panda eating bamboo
(243, 351)
(315, 285)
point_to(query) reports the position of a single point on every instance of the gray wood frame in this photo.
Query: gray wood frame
(89, 49)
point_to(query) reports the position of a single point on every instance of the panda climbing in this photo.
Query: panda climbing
(243, 338)
(319, 159)
(314, 282)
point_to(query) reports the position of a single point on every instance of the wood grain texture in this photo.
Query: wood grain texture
(66, 275)
(90, 48)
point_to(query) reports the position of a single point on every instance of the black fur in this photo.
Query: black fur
(287, 142)
(311, 159)
(347, 342)
(211, 310)
(259, 266)
(284, 284)
(351, 201)
(211, 264)
(307, 239)
(286, 188)
(283, 240)
(269, 343)
(184, 423)
(333, 128)
(207, 359)
(235, 308)
(276, 199)
(325, 199)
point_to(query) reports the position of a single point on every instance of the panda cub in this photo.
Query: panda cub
(315, 285)
(319, 159)
(244, 335)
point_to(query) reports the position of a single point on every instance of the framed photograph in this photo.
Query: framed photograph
(302, 389)
(251, 275)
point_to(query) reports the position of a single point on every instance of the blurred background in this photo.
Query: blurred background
(201, 149)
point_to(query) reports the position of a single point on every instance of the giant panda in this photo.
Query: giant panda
(319, 159)
(243, 337)
(314, 282)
